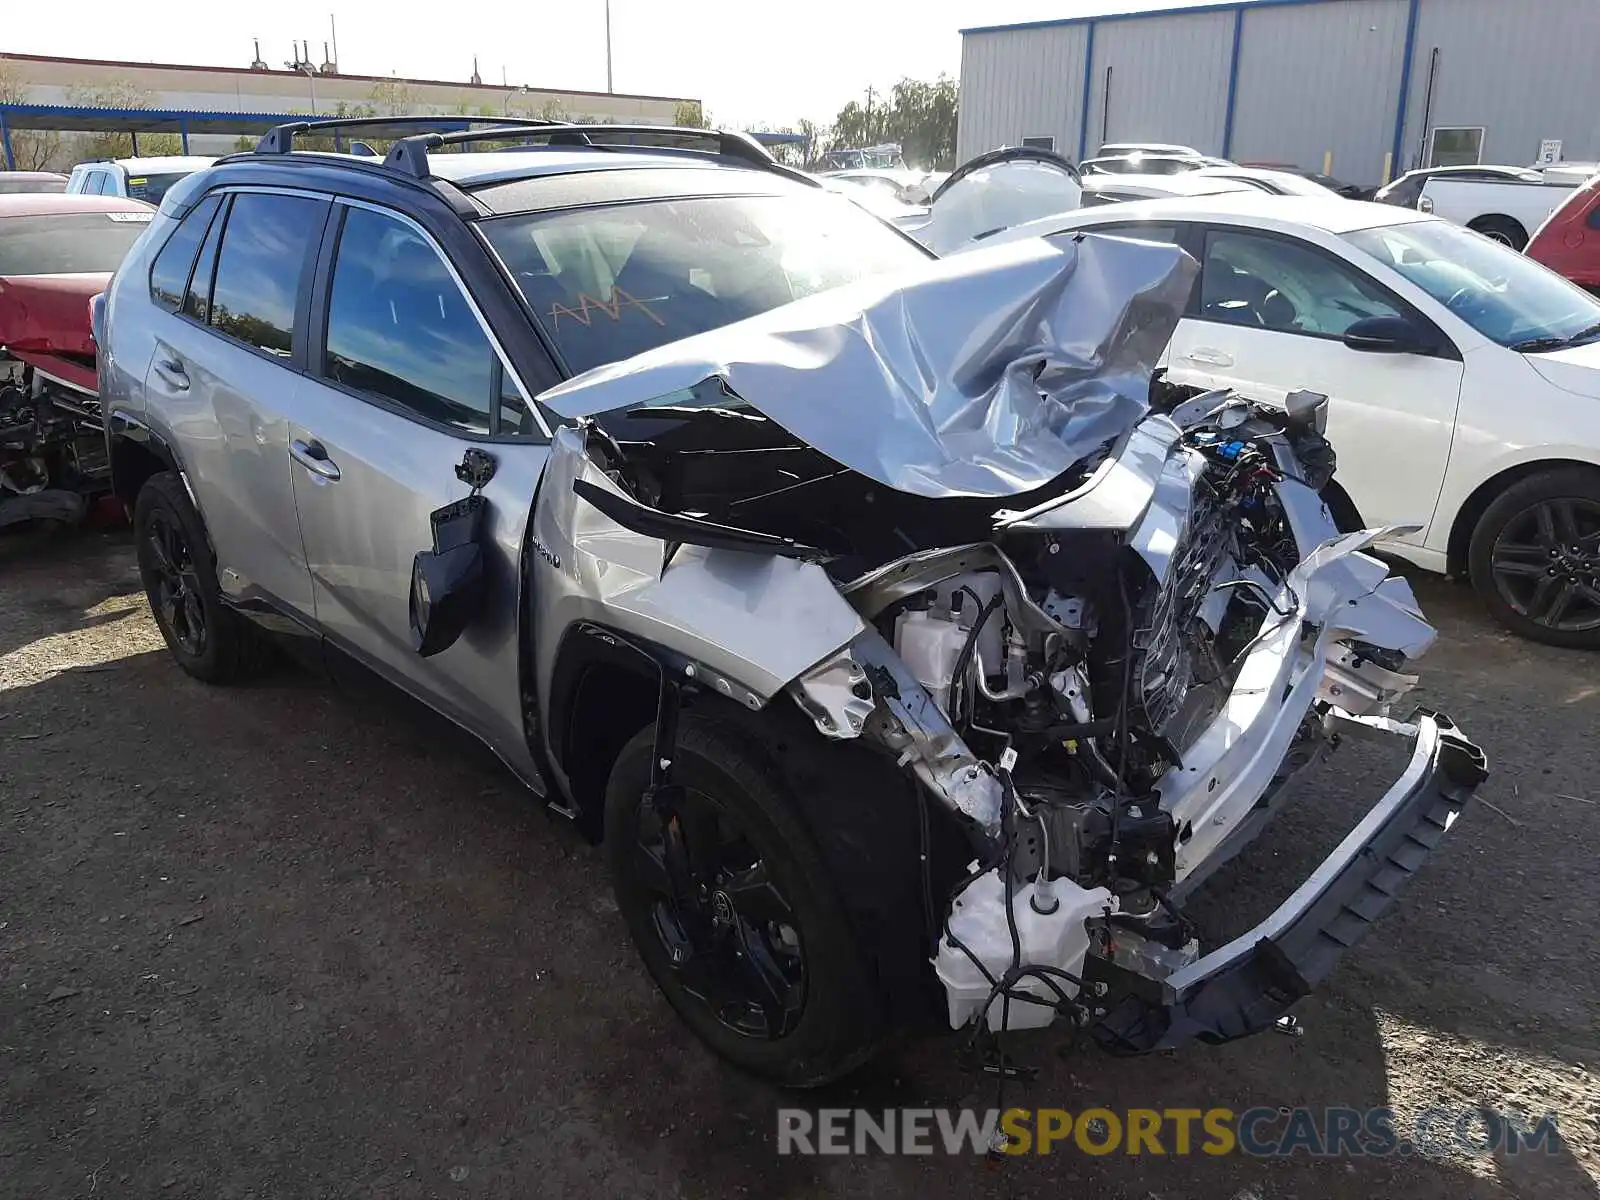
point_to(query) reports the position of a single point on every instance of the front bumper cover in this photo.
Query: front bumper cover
(1246, 985)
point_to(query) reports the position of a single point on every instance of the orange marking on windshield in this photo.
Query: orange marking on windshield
(619, 298)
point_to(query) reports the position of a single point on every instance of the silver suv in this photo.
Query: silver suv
(912, 668)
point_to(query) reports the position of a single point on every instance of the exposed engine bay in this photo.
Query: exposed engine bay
(52, 446)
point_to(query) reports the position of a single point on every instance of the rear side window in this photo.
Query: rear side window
(169, 274)
(399, 328)
(265, 247)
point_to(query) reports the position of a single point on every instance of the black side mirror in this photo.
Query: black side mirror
(447, 583)
(1386, 335)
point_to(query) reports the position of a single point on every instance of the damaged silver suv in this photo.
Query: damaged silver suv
(913, 668)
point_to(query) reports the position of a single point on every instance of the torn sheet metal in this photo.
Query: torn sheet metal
(987, 374)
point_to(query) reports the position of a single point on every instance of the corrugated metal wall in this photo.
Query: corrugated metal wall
(1524, 71)
(1169, 81)
(1315, 78)
(1312, 78)
(1027, 83)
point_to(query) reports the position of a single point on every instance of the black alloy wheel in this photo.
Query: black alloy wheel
(728, 931)
(1546, 564)
(174, 582)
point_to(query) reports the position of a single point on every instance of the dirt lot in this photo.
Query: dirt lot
(289, 941)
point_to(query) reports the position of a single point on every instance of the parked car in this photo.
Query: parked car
(1276, 183)
(56, 252)
(141, 178)
(1350, 191)
(1123, 149)
(1117, 189)
(748, 606)
(12, 182)
(1148, 164)
(1419, 332)
(1505, 210)
(881, 201)
(904, 185)
(1569, 240)
(1407, 189)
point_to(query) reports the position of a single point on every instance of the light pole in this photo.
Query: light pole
(609, 88)
(311, 75)
(523, 90)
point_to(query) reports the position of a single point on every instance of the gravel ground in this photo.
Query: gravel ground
(292, 941)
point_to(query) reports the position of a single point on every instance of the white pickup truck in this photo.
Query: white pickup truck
(1507, 210)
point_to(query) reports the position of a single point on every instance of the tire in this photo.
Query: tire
(1522, 560)
(840, 1017)
(1502, 229)
(210, 641)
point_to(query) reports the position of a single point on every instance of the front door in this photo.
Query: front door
(1270, 319)
(405, 382)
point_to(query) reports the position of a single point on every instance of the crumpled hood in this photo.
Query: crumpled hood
(49, 313)
(987, 374)
(1575, 369)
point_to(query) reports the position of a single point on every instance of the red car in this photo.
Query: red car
(56, 252)
(1569, 240)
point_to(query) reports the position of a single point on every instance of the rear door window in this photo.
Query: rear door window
(169, 274)
(267, 243)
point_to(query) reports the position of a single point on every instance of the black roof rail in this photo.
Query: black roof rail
(280, 138)
(410, 154)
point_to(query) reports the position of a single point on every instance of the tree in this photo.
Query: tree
(32, 150)
(392, 98)
(920, 116)
(690, 114)
(119, 93)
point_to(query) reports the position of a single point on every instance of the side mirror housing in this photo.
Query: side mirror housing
(1385, 335)
(1307, 410)
(447, 583)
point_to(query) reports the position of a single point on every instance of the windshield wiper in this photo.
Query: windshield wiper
(1540, 344)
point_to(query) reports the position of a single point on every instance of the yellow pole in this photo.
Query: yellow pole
(1327, 162)
(1388, 164)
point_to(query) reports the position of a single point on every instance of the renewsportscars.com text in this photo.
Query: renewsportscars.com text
(1257, 1132)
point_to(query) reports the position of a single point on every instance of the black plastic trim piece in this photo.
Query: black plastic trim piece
(676, 528)
(1249, 984)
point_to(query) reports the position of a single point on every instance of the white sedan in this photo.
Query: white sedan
(1464, 379)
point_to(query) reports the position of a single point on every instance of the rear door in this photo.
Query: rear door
(406, 377)
(1271, 314)
(229, 350)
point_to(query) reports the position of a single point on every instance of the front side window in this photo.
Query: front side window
(1504, 295)
(609, 282)
(1273, 283)
(169, 274)
(64, 243)
(399, 328)
(265, 246)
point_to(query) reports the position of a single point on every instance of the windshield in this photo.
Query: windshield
(612, 281)
(151, 188)
(65, 243)
(1504, 296)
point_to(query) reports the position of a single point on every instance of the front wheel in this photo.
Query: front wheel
(733, 911)
(1535, 557)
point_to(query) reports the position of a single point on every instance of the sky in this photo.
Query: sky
(803, 60)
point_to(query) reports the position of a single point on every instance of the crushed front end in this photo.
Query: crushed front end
(939, 517)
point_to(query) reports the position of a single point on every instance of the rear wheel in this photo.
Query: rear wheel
(1505, 230)
(209, 640)
(1535, 557)
(733, 911)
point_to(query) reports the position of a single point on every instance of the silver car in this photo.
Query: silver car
(912, 666)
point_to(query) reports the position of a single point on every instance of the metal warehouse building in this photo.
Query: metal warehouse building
(1374, 86)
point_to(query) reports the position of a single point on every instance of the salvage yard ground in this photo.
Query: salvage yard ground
(289, 940)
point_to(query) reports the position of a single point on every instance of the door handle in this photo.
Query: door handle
(314, 458)
(1206, 357)
(172, 372)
